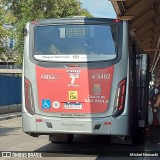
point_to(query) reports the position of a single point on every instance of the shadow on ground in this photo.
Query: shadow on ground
(83, 145)
(5, 131)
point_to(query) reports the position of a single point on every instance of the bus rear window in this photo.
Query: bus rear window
(72, 43)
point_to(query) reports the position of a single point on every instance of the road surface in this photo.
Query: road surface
(87, 147)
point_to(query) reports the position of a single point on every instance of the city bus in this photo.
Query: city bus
(79, 77)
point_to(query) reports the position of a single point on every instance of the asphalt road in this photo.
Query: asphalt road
(12, 139)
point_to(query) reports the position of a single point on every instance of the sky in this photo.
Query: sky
(99, 8)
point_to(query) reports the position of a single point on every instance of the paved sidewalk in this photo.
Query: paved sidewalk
(10, 115)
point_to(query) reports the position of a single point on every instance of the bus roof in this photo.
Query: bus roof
(74, 19)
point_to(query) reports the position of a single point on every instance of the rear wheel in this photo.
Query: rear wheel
(139, 137)
(122, 139)
(61, 138)
(70, 138)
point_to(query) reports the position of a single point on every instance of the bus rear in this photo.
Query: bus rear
(75, 77)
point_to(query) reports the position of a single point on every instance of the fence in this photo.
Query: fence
(10, 90)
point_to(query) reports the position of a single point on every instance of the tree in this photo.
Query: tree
(30, 10)
(5, 32)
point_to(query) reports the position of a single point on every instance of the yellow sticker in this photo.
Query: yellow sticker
(73, 95)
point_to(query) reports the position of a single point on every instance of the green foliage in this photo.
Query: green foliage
(3, 32)
(30, 10)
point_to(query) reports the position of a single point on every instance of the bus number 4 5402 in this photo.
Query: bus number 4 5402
(101, 76)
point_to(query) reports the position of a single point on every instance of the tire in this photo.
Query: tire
(61, 138)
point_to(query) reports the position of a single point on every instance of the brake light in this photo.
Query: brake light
(29, 102)
(39, 120)
(34, 22)
(120, 98)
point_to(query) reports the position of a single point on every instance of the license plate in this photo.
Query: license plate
(73, 106)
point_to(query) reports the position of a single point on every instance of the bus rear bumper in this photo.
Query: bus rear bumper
(99, 126)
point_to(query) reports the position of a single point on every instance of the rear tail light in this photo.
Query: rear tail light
(29, 102)
(120, 98)
(34, 22)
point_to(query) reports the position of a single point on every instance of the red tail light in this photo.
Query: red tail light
(34, 22)
(29, 102)
(120, 98)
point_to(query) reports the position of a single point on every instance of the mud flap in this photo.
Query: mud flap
(61, 138)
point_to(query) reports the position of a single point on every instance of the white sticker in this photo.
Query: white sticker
(56, 104)
(62, 33)
(73, 58)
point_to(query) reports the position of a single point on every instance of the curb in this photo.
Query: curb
(10, 116)
(15, 108)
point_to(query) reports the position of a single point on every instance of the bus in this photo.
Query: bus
(79, 77)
